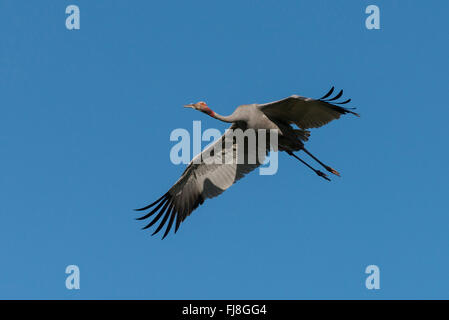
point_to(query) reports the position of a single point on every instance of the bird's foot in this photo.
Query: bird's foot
(322, 174)
(333, 171)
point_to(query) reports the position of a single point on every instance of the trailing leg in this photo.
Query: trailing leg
(318, 172)
(324, 166)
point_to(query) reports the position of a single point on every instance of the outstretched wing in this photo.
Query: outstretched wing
(306, 112)
(207, 176)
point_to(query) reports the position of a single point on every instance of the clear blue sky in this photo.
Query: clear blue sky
(85, 119)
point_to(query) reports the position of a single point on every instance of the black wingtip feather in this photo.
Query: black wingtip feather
(334, 104)
(153, 211)
(179, 218)
(343, 110)
(158, 216)
(170, 223)
(327, 94)
(336, 97)
(344, 102)
(167, 214)
(178, 222)
(150, 205)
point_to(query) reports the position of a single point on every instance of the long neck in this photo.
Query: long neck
(231, 118)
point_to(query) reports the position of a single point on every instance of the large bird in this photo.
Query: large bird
(202, 179)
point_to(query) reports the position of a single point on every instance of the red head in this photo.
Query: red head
(201, 106)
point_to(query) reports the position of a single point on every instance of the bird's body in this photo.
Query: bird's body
(204, 179)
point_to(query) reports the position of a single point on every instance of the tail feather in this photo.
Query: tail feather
(302, 135)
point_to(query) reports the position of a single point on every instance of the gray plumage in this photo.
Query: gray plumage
(202, 180)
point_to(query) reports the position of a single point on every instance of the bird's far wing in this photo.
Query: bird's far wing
(306, 112)
(202, 179)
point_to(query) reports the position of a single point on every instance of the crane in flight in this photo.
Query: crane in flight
(202, 180)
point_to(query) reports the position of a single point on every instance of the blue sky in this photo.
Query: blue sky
(85, 120)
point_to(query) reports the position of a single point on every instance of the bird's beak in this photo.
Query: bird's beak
(188, 106)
